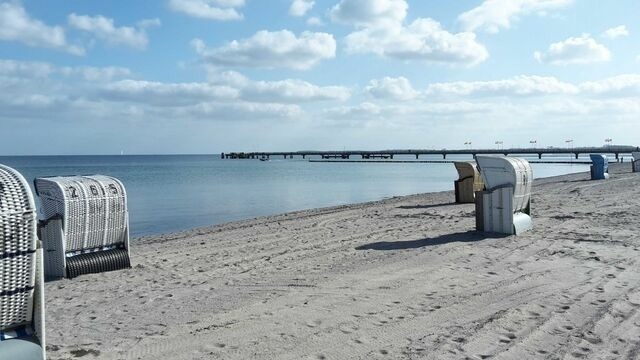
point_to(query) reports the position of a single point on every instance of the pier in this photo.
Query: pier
(389, 154)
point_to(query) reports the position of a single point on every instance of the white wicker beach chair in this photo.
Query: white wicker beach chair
(635, 163)
(86, 225)
(505, 206)
(468, 183)
(22, 334)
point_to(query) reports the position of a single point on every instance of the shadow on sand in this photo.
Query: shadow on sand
(467, 236)
(409, 207)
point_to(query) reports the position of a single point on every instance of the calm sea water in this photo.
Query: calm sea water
(169, 193)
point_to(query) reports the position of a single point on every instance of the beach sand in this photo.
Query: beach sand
(405, 277)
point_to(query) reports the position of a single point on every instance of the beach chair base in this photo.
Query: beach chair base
(97, 262)
(494, 213)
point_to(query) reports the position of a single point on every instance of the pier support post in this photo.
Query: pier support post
(391, 156)
(617, 156)
(304, 156)
(576, 156)
(222, 156)
(540, 156)
(416, 156)
(444, 156)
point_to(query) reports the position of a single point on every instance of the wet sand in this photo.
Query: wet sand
(406, 277)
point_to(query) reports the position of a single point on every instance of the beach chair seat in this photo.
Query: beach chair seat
(85, 226)
(600, 167)
(22, 334)
(635, 163)
(469, 181)
(505, 206)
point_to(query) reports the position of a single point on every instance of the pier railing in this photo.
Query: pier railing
(389, 154)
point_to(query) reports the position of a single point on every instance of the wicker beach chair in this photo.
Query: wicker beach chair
(505, 206)
(468, 183)
(86, 225)
(600, 167)
(635, 163)
(22, 334)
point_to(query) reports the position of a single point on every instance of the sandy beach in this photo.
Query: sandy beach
(405, 277)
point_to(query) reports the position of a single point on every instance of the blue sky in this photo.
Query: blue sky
(205, 76)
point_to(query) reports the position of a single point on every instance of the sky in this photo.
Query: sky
(211, 76)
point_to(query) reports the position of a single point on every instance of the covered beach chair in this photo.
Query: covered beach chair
(505, 206)
(468, 183)
(599, 167)
(635, 163)
(86, 225)
(22, 334)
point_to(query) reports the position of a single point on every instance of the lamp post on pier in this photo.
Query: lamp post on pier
(569, 143)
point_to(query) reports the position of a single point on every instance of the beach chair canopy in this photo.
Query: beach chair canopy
(499, 171)
(635, 164)
(21, 291)
(599, 167)
(505, 205)
(86, 224)
(469, 181)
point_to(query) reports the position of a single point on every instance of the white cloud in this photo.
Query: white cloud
(422, 40)
(90, 73)
(523, 85)
(381, 30)
(266, 49)
(223, 10)
(621, 85)
(25, 68)
(315, 21)
(17, 25)
(167, 94)
(300, 7)
(292, 90)
(287, 91)
(36, 69)
(616, 32)
(575, 50)
(492, 15)
(368, 12)
(104, 29)
(399, 88)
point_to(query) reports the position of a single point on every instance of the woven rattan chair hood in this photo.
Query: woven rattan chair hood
(85, 226)
(22, 333)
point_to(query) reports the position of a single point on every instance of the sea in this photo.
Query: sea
(170, 193)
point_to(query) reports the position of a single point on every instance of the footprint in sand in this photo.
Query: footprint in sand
(314, 323)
